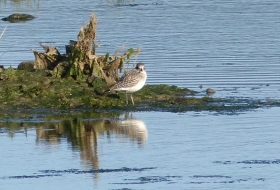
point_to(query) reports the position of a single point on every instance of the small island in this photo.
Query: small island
(79, 80)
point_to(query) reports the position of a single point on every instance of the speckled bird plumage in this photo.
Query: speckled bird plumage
(131, 81)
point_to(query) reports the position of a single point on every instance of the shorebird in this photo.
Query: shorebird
(131, 81)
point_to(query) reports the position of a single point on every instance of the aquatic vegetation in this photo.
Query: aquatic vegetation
(37, 88)
(22, 89)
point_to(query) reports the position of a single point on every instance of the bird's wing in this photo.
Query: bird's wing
(128, 79)
(128, 74)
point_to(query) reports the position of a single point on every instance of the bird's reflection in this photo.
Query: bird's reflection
(131, 128)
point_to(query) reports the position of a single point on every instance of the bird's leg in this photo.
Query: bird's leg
(132, 98)
(126, 97)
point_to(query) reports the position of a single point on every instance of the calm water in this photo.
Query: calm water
(171, 150)
(231, 46)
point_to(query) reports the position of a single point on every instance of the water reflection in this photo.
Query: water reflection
(22, 5)
(80, 132)
(133, 129)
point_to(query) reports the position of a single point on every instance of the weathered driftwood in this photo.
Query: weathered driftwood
(47, 60)
(80, 61)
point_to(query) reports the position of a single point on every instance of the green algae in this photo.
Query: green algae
(35, 89)
(39, 89)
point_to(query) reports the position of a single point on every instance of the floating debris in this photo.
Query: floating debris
(18, 18)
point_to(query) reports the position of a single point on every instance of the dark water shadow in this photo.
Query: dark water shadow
(151, 179)
(220, 179)
(251, 162)
(54, 173)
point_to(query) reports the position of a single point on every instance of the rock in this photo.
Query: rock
(18, 18)
(210, 91)
(69, 48)
(26, 65)
(90, 79)
(1, 68)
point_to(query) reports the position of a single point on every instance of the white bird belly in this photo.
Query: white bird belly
(135, 88)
